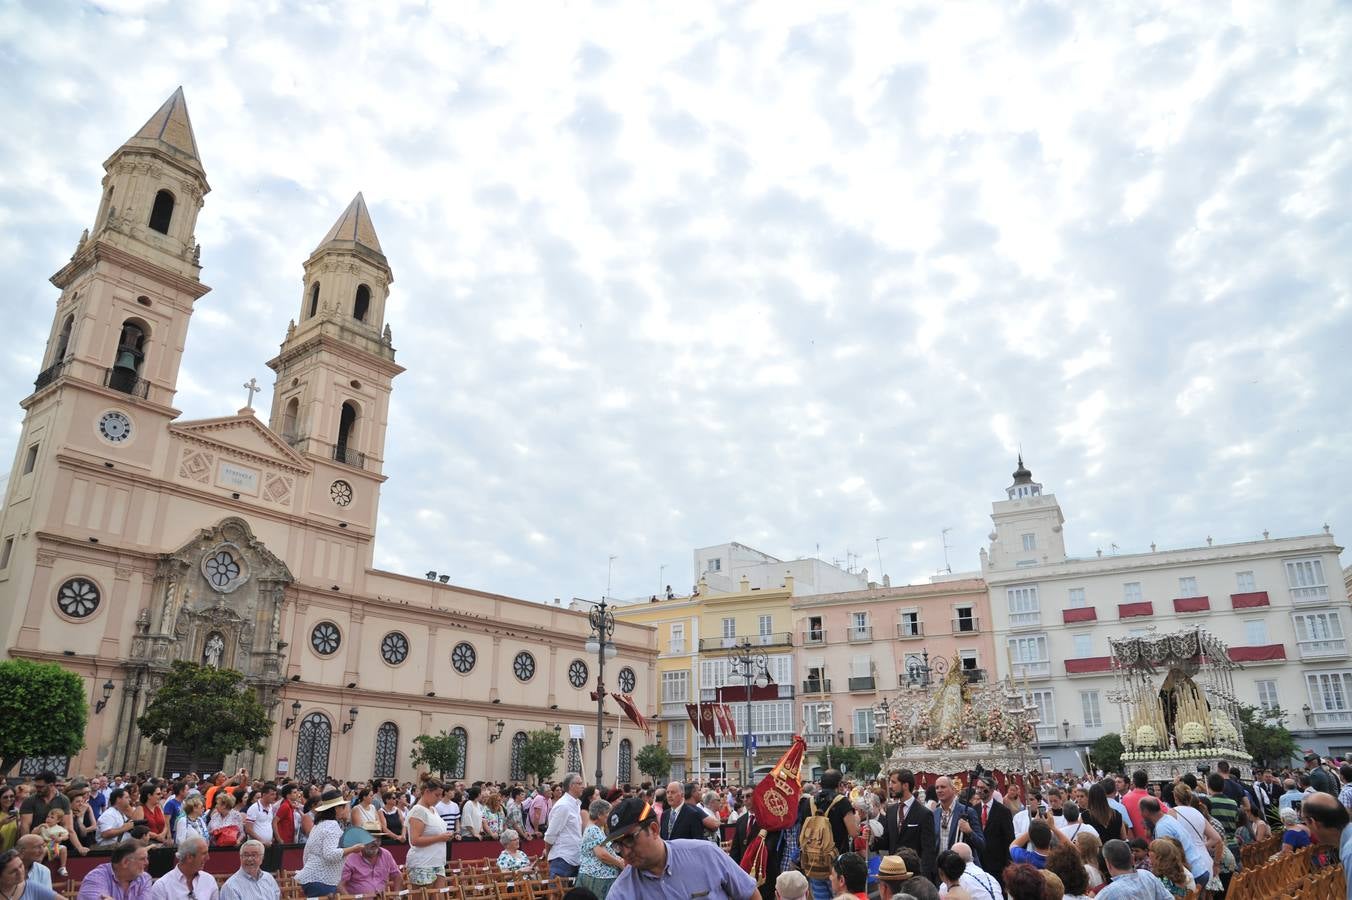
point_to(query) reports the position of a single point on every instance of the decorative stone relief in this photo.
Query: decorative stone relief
(277, 488)
(196, 465)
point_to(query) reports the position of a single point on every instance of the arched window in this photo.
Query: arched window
(625, 773)
(162, 212)
(314, 300)
(63, 339)
(387, 750)
(126, 371)
(462, 738)
(362, 305)
(575, 755)
(518, 744)
(312, 748)
(290, 415)
(347, 430)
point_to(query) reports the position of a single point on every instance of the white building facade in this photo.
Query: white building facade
(722, 568)
(1280, 604)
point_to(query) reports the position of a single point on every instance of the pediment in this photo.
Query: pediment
(244, 434)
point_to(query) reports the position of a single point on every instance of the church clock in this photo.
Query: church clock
(115, 426)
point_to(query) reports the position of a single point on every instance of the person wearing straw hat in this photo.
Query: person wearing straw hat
(324, 853)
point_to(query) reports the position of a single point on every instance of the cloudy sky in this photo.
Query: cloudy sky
(799, 275)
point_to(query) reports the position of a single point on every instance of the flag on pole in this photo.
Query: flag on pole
(721, 717)
(706, 721)
(774, 803)
(692, 711)
(631, 712)
(732, 723)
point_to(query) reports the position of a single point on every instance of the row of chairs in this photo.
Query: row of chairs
(1258, 852)
(1276, 878)
(1325, 884)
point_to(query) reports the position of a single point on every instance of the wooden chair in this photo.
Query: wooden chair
(513, 890)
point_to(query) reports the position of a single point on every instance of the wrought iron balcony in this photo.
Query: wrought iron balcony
(910, 630)
(349, 457)
(863, 683)
(50, 374)
(968, 625)
(858, 634)
(126, 381)
(817, 686)
(814, 636)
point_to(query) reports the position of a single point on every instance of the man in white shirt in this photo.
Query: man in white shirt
(115, 823)
(978, 882)
(564, 833)
(186, 880)
(258, 822)
(250, 882)
(1073, 825)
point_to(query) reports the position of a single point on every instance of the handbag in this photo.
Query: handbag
(225, 836)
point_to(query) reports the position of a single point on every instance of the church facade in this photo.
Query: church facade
(131, 538)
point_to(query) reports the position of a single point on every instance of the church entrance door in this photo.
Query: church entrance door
(181, 760)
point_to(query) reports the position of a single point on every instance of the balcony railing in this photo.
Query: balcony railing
(863, 739)
(1032, 669)
(675, 646)
(910, 630)
(969, 625)
(774, 639)
(1332, 718)
(859, 633)
(349, 457)
(1323, 648)
(863, 683)
(1025, 619)
(126, 381)
(673, 709)
(1307, 596)
(676, 748)
(763, 739)
(813, 637)
(50, 374)
(817, 686)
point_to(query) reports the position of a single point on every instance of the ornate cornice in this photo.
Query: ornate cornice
(98, 249)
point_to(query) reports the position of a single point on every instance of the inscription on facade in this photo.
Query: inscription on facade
(237, 478)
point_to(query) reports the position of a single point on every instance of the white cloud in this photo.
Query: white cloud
(783, 273)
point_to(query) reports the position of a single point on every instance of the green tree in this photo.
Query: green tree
(1266, 737)
(654, 761)
(847, 759)
(43, 711)
(440, 753)
(207, 711)
(540, 753)
(1106, 753)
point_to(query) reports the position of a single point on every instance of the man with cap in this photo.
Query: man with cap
(656, 868)
(1321, 779)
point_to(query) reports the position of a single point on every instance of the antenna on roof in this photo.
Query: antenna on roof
(878, 545)
(943, 537)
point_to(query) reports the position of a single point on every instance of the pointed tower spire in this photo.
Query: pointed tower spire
(170, 130)
(353, 229)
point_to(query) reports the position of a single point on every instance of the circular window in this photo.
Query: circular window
(577, 673)
(78, 598)
(340, 492)
(221, 568)
(394, 648)
(463, 658)
(627, 680)
(524, 666)
(325, 639)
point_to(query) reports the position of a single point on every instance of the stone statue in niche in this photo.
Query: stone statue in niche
(215, 647)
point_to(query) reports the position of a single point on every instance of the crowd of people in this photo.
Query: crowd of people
(1114, 837)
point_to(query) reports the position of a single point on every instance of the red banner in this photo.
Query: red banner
(732, 723)
(692, 711)
(737, 693)
(631, 712)
(775, 799)
(720, 715)
(706, 721)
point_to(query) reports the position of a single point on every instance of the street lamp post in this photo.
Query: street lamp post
(602, 619)
(752, 665)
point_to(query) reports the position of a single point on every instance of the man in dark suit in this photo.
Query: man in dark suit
(683, 819)
(997, 827)
(746, 829)
(956, 822)
(907, 822)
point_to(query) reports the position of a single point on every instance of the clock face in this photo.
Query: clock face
(115, 427)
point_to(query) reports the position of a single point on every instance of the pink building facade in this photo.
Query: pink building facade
(859, 647)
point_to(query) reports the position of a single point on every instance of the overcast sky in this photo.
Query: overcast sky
(799, 275)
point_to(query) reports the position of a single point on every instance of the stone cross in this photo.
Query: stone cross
(252, 387)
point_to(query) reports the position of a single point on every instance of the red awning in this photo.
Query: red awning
(1249, 600)
(1079, 614)
(1265, 653)
(1131, 610)
(1192, 604)
(1089, 664)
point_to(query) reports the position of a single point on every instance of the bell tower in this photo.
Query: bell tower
(330, 401)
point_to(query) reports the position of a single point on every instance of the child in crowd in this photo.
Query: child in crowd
(55, 835)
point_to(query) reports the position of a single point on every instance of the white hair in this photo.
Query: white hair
(250, 844)
(508, 836)
(192, 845)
